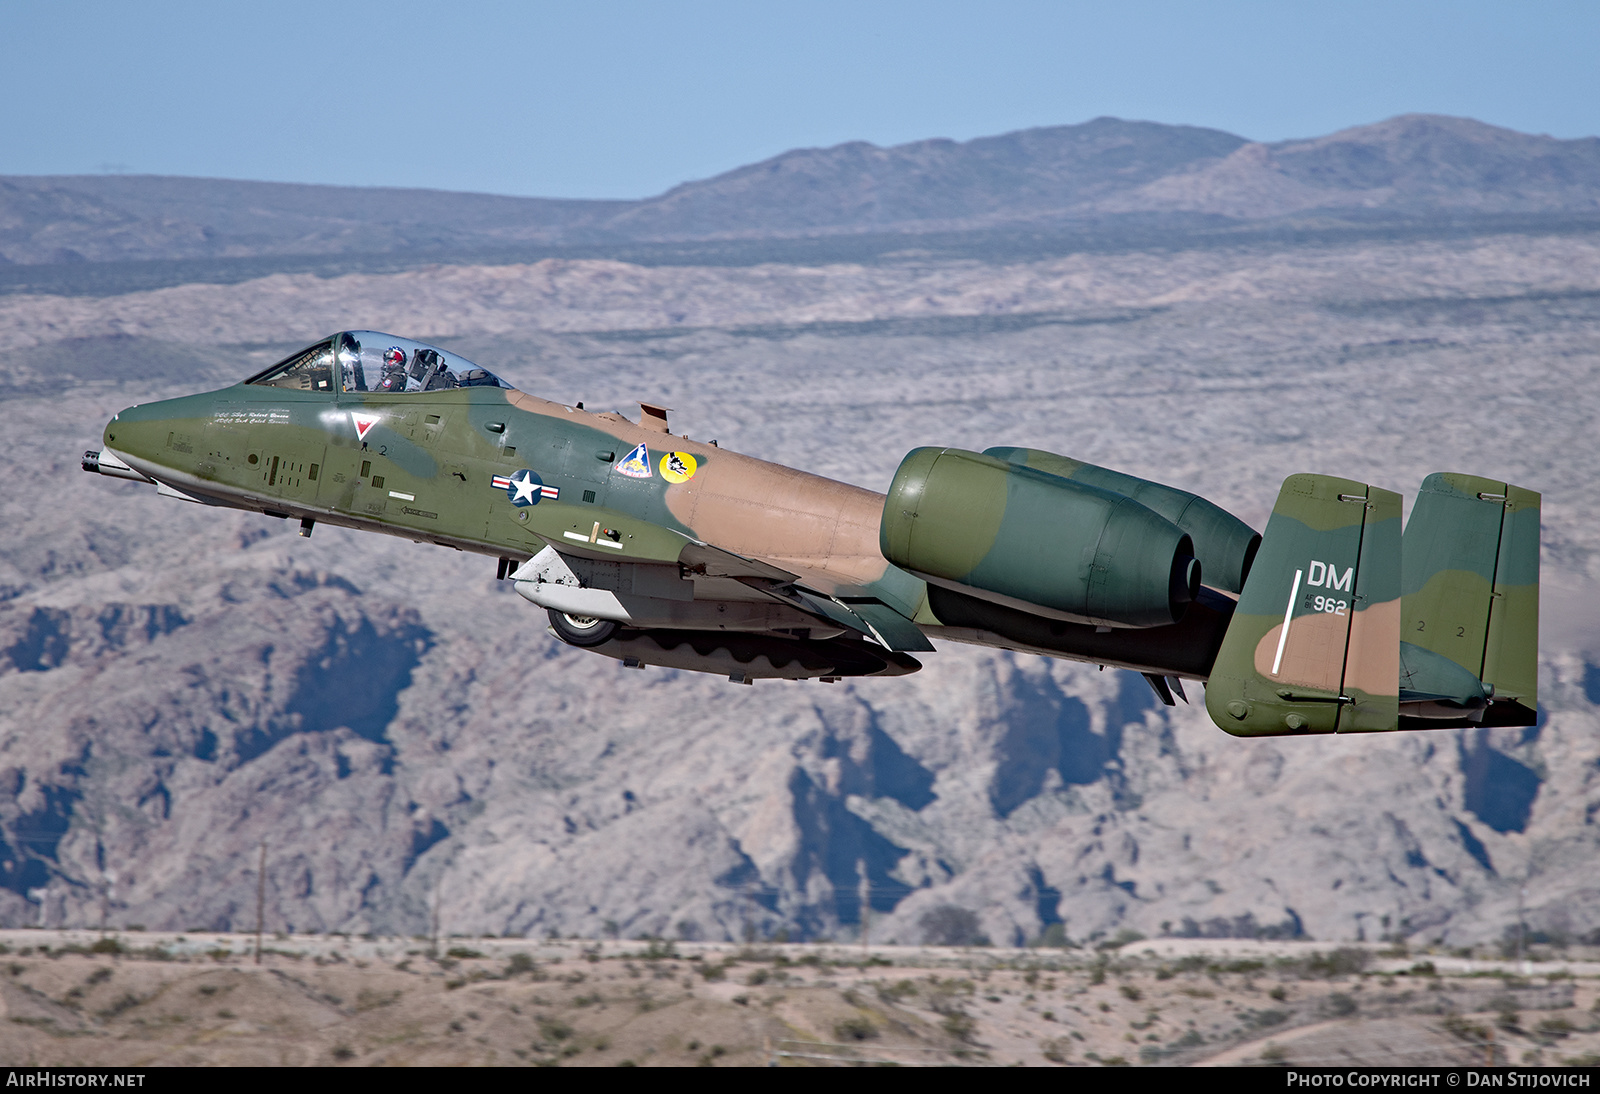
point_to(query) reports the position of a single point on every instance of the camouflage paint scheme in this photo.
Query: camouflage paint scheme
(653, 548)
(1314, 644)
(1224, 544)
(1470, 578)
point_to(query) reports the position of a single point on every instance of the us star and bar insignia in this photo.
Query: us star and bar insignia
(525, 488)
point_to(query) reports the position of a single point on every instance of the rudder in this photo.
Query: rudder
(1314, 644)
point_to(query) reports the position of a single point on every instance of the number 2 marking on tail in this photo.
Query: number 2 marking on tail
(1288, 613)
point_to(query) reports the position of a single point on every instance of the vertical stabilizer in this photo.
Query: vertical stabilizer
(1314, 644)
(1470, 625)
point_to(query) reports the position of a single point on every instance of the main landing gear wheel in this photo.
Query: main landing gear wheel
(581, 630)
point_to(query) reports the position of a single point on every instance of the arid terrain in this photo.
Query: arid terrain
(133, 1000)
(181, 687)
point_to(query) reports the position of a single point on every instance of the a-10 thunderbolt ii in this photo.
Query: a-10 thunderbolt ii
(657, 550)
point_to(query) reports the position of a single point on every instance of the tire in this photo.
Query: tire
(581, 630)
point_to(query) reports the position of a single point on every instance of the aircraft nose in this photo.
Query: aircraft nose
(139, 432)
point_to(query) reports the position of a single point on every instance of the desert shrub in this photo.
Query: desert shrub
(1457, 1026)
(1554, 1028)
(901, 989)
(960, 1025)
(554, 1029)
(126, 1002)
(1345, 961)
(857, 1028)
(1340, 1005)
(1265, 1019)
(951, 925)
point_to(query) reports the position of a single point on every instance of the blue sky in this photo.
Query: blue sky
(622, 99)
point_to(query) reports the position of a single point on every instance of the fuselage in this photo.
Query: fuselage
(478, 466)
(425, 467)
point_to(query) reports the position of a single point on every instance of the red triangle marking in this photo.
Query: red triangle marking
(363, 422)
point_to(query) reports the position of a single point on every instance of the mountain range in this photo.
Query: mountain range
(1105, 175)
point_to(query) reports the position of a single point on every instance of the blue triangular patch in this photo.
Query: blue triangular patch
(636, 464)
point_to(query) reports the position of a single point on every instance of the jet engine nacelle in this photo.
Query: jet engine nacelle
(1225, 545)
(1017, 536)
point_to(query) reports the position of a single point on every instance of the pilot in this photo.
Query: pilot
(394, 370)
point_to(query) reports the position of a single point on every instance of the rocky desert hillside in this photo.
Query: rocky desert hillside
(181, 686)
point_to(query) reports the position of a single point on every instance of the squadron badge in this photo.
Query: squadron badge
(678, 466)
(636, 464)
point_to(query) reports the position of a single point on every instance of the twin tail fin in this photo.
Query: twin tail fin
(1347, 625)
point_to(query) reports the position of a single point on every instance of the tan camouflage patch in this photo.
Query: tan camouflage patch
(1313, 657)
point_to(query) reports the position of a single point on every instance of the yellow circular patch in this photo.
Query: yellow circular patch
(678, 467)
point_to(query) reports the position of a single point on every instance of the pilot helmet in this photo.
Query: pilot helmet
(394, 357)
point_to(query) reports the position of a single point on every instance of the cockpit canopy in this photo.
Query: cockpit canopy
(368, 361)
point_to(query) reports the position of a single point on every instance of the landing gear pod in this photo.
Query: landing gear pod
(1016, 536)
(748, 657)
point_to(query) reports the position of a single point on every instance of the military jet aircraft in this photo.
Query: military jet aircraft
(654, 549)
